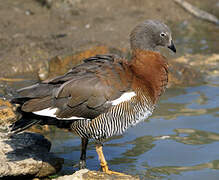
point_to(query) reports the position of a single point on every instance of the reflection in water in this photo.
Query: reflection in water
(184, 104)
(140, 146)
(185, 136)
(195, 137)
(154, 173)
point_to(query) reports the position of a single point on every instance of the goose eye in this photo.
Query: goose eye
(162, 34)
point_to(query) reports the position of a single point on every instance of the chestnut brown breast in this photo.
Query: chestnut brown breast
(150, 71)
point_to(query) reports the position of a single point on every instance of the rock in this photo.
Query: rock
(7, 115)
(78, 175)
(205, 64)
(27, 154)
(181, 74)
(192, 69)
(96, 175)
(86, 174)
(43, 71)
(58, 3)
(30, 58)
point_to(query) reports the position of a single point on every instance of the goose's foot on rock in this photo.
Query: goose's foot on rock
(103, 163)
(107, 171)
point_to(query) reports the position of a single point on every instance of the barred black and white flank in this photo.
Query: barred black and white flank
(115, 121)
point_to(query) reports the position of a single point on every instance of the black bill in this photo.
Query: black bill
(172, 47)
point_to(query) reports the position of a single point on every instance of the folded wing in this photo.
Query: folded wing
(85, 91)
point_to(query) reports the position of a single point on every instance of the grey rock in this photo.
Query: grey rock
(78, 175)
(85, 174)
(7, 115)
(27, 154)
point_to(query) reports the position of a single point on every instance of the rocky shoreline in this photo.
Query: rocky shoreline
(27, 155)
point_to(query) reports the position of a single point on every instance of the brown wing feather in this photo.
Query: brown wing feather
(89, 93)
(37, 104)
(83, 91)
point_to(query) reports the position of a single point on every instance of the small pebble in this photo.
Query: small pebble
(87, 26)
(29, 12)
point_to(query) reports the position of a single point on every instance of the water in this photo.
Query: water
(179, 141)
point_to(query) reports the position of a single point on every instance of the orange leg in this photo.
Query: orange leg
(103, 163)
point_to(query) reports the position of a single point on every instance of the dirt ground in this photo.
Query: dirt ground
(32, 31)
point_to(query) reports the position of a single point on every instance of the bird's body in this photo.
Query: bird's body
(103, 96)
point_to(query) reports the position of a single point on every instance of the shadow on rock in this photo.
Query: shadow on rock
(27, 154)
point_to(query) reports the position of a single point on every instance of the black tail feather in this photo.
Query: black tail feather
(22, 124)
(29, 119)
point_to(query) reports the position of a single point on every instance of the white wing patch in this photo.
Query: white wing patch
(124, 97)
(46, 112)
(51, 113)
